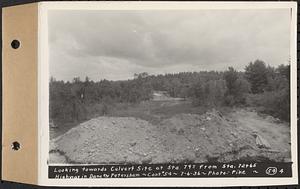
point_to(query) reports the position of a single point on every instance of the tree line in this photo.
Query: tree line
(258, 85)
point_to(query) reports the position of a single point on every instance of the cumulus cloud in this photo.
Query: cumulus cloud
(116, 44)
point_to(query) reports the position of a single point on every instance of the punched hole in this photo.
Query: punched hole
(15, 44)
(15, 145)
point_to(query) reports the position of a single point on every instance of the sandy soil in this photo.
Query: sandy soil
(211, 137)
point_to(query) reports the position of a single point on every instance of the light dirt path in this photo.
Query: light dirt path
(275, 132)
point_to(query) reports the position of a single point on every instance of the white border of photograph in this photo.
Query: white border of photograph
(43, 94)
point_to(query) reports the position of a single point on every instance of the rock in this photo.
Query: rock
(234, 133)
(261, 142)
(132, 143)
(147, 160)
(219, 113)
(180, 131)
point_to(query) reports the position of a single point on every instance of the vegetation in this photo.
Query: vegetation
(259, 85)
(270, 88)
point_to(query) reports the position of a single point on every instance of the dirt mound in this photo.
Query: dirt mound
(109, 140)
(210, 137)
(216, 138)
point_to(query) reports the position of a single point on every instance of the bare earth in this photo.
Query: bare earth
(210, 137)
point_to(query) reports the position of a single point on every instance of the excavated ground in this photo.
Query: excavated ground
(211, 137)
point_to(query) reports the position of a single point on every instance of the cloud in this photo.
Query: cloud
(116, 44)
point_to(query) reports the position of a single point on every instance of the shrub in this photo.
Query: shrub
(229, 100)
(275, 103)
(237, 87)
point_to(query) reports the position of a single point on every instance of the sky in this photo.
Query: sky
(114, 44)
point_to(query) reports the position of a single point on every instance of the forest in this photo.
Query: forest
(259, 85)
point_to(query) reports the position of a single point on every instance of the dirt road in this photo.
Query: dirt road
(210, 137)
(275, 132)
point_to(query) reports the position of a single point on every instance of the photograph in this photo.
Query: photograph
(169, 86)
